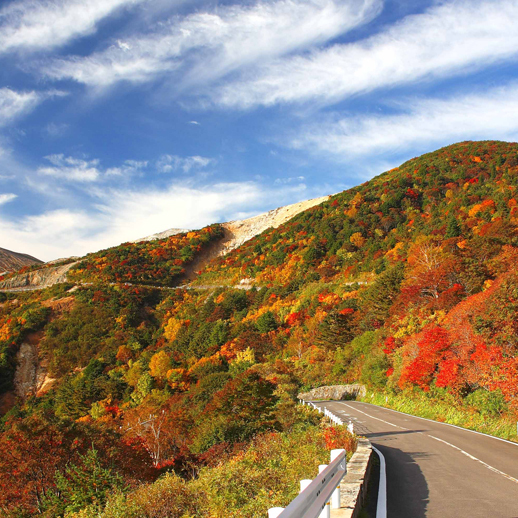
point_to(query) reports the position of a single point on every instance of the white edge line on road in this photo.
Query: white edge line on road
(439, 422)
(381, 508)
(475, 459)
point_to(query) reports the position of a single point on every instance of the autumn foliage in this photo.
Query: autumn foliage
(406, 283)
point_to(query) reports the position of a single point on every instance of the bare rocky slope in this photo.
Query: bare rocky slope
(239, 231)
(12, 261)
(37, 279)
(235, 234)
(162, 235)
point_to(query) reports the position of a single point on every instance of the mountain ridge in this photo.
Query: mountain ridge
(11, 261)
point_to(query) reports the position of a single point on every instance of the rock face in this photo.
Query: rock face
(162, 235)
(37, 279)
(238, 232)
(335, 392)
(31, 376)
(12, 261)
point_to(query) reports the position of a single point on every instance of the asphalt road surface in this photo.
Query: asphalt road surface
(435, 470)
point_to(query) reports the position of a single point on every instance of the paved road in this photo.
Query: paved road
(435, 470)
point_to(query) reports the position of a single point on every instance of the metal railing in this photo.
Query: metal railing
(316, 496)
(317, 493)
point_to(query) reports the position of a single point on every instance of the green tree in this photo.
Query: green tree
(83, 483)
(267, 322)
(453, 228)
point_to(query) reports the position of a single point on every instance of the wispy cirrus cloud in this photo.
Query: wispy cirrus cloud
(71, 169)
(452, 38)
(35, 25)
(83, 170)
(171, 163)
(420, 124)
(128, 168)
(208, 45)
(15, 104)
(7, 197)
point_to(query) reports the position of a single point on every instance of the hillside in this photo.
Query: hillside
(12, 261)
(151, 253)
(406, 283)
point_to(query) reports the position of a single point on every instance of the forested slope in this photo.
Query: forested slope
(406, 283)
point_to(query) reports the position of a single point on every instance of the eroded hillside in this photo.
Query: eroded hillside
(12, 261)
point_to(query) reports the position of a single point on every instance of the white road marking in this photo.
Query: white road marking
(381, 509)
(475, 459)
(445, 424)
(495, 470)
(377, 418)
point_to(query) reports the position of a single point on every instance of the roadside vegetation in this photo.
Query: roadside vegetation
(482, 416)
(407, 284)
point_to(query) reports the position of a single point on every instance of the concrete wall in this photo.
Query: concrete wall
(335, 393)
(353, 487)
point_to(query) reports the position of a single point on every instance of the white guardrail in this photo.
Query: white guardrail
(318, 495)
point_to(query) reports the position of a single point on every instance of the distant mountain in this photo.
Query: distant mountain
(12, 261)
(162, 235)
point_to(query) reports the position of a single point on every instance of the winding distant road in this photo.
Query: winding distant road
(436, 470)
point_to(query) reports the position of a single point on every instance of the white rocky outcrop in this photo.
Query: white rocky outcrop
(240, 231)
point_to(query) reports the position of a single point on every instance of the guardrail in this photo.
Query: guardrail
(329, 414)
(317, 496)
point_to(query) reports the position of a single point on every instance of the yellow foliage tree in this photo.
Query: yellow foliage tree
(357, 239)
(171, 328)
(159, 364)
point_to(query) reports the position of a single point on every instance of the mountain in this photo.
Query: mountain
(153, 259)
(12, 261)
(407, 284)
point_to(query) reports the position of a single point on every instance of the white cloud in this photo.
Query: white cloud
(129, 168)
(450, 38)
(170, 163)
(14, 104)
(291, 179)
(128, 214)
(56, 130)
(34, 25)
(420, 123)
(71, 169)
(80, 170)
(208, 45)
(5, 198)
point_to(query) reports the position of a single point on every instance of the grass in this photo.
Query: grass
(446, 409)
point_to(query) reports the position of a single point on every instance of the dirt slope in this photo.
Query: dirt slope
(12, 261)
(242, 230)
(37, 279)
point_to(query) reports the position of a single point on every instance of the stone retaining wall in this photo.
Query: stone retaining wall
(353, 487)
(335, 393)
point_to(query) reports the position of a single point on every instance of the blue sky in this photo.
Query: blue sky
(122, 118)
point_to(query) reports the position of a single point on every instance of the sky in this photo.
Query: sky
(123, 118)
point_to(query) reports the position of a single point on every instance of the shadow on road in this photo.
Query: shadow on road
(371, 436)
(407, 489)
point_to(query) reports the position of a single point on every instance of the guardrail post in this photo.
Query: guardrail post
(274, 512)
(335, 498)
(326, 512)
